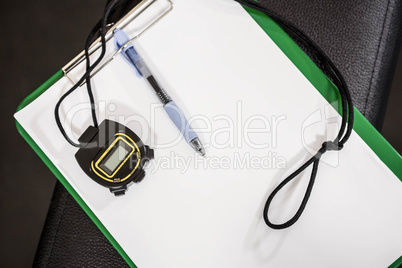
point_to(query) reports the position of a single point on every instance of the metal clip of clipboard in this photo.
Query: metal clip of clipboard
(134, 13)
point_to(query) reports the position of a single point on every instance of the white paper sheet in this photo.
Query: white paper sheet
(257, 115)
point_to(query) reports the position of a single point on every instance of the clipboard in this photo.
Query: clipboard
(362, 127)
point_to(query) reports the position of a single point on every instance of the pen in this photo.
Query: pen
(173, 111)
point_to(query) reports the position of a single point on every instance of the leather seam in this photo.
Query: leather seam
(376, 58)
(57, 230)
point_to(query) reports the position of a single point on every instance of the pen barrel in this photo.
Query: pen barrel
(160, 92)
(178, 118)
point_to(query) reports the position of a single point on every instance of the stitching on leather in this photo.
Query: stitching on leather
(376, 58)
(57, 230)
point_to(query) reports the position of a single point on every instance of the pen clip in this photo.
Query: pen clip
(123, 43)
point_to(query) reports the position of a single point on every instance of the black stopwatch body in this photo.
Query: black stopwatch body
(113, 156)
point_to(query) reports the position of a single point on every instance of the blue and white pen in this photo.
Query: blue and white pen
(174, 112)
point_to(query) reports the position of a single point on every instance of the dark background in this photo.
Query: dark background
(40, 37)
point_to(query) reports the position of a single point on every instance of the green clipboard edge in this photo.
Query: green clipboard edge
(317, 78)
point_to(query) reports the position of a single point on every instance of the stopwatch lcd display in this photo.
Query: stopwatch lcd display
(115, 157)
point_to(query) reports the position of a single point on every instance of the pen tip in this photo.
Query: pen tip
(201, 151)
(197, 146)
(203, 154)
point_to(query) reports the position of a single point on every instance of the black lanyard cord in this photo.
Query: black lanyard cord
(328, 66)
(89, 68)
(347, 113)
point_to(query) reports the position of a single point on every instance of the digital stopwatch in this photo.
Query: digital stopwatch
(113, 156)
